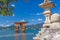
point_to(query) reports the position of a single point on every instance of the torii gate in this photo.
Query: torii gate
(23, 24)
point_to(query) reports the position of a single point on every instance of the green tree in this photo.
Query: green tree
(6, 9)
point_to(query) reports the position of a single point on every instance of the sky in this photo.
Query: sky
(29, 11)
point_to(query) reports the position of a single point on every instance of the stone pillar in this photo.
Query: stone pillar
(48, 14)
(47, 23)
(46, 5)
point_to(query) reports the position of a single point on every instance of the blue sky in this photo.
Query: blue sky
(28, 11)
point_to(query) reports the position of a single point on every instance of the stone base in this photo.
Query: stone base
(36, 38)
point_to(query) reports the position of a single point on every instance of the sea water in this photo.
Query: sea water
(11, 35)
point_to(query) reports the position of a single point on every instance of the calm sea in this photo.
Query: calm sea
(11, 35)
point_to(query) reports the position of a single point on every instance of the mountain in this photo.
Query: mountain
(33, 26)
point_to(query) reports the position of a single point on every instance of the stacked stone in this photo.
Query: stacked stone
(51, 27)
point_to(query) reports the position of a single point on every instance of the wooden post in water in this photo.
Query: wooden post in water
(17, 24)
(23, 24)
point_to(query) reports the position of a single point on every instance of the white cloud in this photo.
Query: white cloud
(32, 20)
(55, 13)
(12, 5)
(13, 15)
(38, 14)
(22, 20)
(39, 19)
(6, 25)
(2, 25)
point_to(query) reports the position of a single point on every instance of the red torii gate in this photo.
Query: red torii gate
(23, 24)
